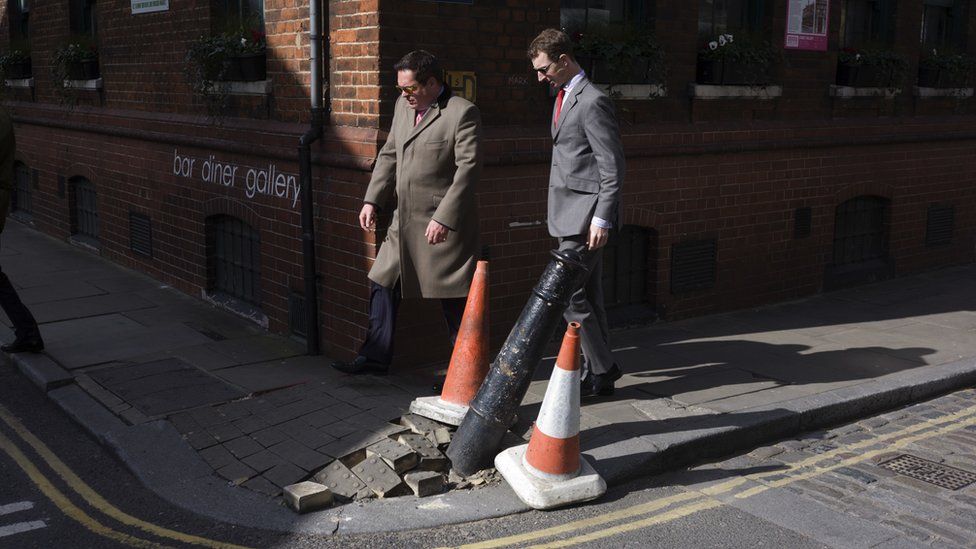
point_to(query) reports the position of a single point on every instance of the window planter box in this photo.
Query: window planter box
(83, 70)
(19, 70)
(245, 68)
(723, 72)
(930, 77)
(864, 76)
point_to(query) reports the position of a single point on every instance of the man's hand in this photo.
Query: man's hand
(367, 217)
(436, 233)
(598, 237)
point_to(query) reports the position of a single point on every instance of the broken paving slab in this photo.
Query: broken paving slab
(419, 424)
(340, 480)
(431, 459)
(307, 496)
(400, 457)
(379, 477)
(425, 483)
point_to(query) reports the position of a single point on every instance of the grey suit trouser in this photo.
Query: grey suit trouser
(586, 307)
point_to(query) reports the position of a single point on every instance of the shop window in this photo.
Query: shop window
(943, 24)
(585, 15)
(19, 13)
(614, 40)
(21, 199)
(232, 15)
(84, 209)
(867, 23)
(233, 259)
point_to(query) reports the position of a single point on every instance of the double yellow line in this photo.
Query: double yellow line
(90, 496)
(662, 510)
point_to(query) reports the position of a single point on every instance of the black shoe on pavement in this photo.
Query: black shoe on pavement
(362, 365)
(24, 345)
(600, 384)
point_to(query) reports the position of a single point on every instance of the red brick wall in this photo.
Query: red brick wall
(732, 170)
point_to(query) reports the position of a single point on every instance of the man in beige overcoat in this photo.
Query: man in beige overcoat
(426, 173)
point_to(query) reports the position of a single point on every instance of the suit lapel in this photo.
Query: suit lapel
(568, 104)
(427, 120)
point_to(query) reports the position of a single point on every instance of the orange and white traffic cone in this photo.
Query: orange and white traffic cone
(549, 471)
(469, 361)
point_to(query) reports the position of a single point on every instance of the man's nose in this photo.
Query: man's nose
(540, 75)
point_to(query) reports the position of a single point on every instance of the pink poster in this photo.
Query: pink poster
(806, 25)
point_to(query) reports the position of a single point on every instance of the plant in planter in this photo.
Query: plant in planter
(743, 61)
(945, 69)
(209, 61)
(645, 58)
(252, 56)
(873, 68)
(593, 51)
(76, 60)
(15, 64)
(620, 55)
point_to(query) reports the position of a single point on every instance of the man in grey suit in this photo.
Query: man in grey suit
(584, 192)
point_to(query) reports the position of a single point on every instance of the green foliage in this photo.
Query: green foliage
(621, 49)
(954, 64)
(76, 50)
(751, 55)
(205, 65)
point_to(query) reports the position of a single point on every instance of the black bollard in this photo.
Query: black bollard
(490, 414)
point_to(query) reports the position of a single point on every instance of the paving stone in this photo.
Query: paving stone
(224, 432)
(314, 438)
(398, 456)
(792, 444)
(859, 476)
(263, 460)
(237, 473)
(283, 474)
(340, 448)
(250, 424)
(304, 497)
(419, 424)
(379, 477)
(340, 479)
(343, 410)
(184, 422)
(431, 459)
(269, 437)
(300, 455)
(338, 429)
(200, 440)
(390, 429)
(320, 418)
(263, 486)
(217, 457)
(874, 422)
(424, 483)
(243, 446)
(440, 436)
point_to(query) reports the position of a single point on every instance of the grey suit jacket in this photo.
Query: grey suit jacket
(587, 163)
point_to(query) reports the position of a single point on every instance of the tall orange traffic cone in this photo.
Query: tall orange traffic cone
(549, 471)
(469, 361)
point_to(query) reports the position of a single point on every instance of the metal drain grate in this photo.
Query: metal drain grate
(931, 472)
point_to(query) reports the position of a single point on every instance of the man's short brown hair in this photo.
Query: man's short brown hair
(553, 43)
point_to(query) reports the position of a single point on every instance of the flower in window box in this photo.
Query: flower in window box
(945, 69)
(744, 60)
(16, 64)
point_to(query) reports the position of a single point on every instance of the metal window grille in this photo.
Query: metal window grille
(22, 191)
(860, 231)
(233, 254)
(693, 265)
(85, 208)
(625, 267)
(140, 234)
(802, 222)
(939, 225)
(297, 317)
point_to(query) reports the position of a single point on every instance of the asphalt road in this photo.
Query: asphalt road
(824, 489)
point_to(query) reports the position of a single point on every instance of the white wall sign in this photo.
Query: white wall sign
(149, 6)
(264, 181)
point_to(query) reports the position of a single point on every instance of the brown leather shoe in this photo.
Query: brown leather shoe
(24, 345)
(361, 365)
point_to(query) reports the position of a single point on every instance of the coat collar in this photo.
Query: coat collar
(432, 114)
(568, 104)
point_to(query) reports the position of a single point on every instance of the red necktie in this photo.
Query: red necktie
(559, 106)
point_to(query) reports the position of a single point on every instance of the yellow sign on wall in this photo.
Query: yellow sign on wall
(463, 84)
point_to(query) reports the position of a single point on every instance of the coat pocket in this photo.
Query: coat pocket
(437, 144)
(583, 184)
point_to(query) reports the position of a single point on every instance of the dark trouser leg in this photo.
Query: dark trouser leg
(383, 306)
(24, 324)
(453, 311)
(586, 307)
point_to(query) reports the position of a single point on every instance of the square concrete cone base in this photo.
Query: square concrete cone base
(541, 493)
(438, 410)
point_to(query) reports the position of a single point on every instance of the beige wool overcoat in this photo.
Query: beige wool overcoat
(429, 171)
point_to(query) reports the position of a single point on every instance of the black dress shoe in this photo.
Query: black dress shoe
(600, 384)
(24, 345)
(362, 365)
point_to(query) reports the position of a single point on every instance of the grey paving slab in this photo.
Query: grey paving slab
(66, 289)
(262, 348)
(88, 306)
(266, 376)
(77, 345)
(706, 387)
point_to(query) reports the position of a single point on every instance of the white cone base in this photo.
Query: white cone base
(439, 410)
(541, 493)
